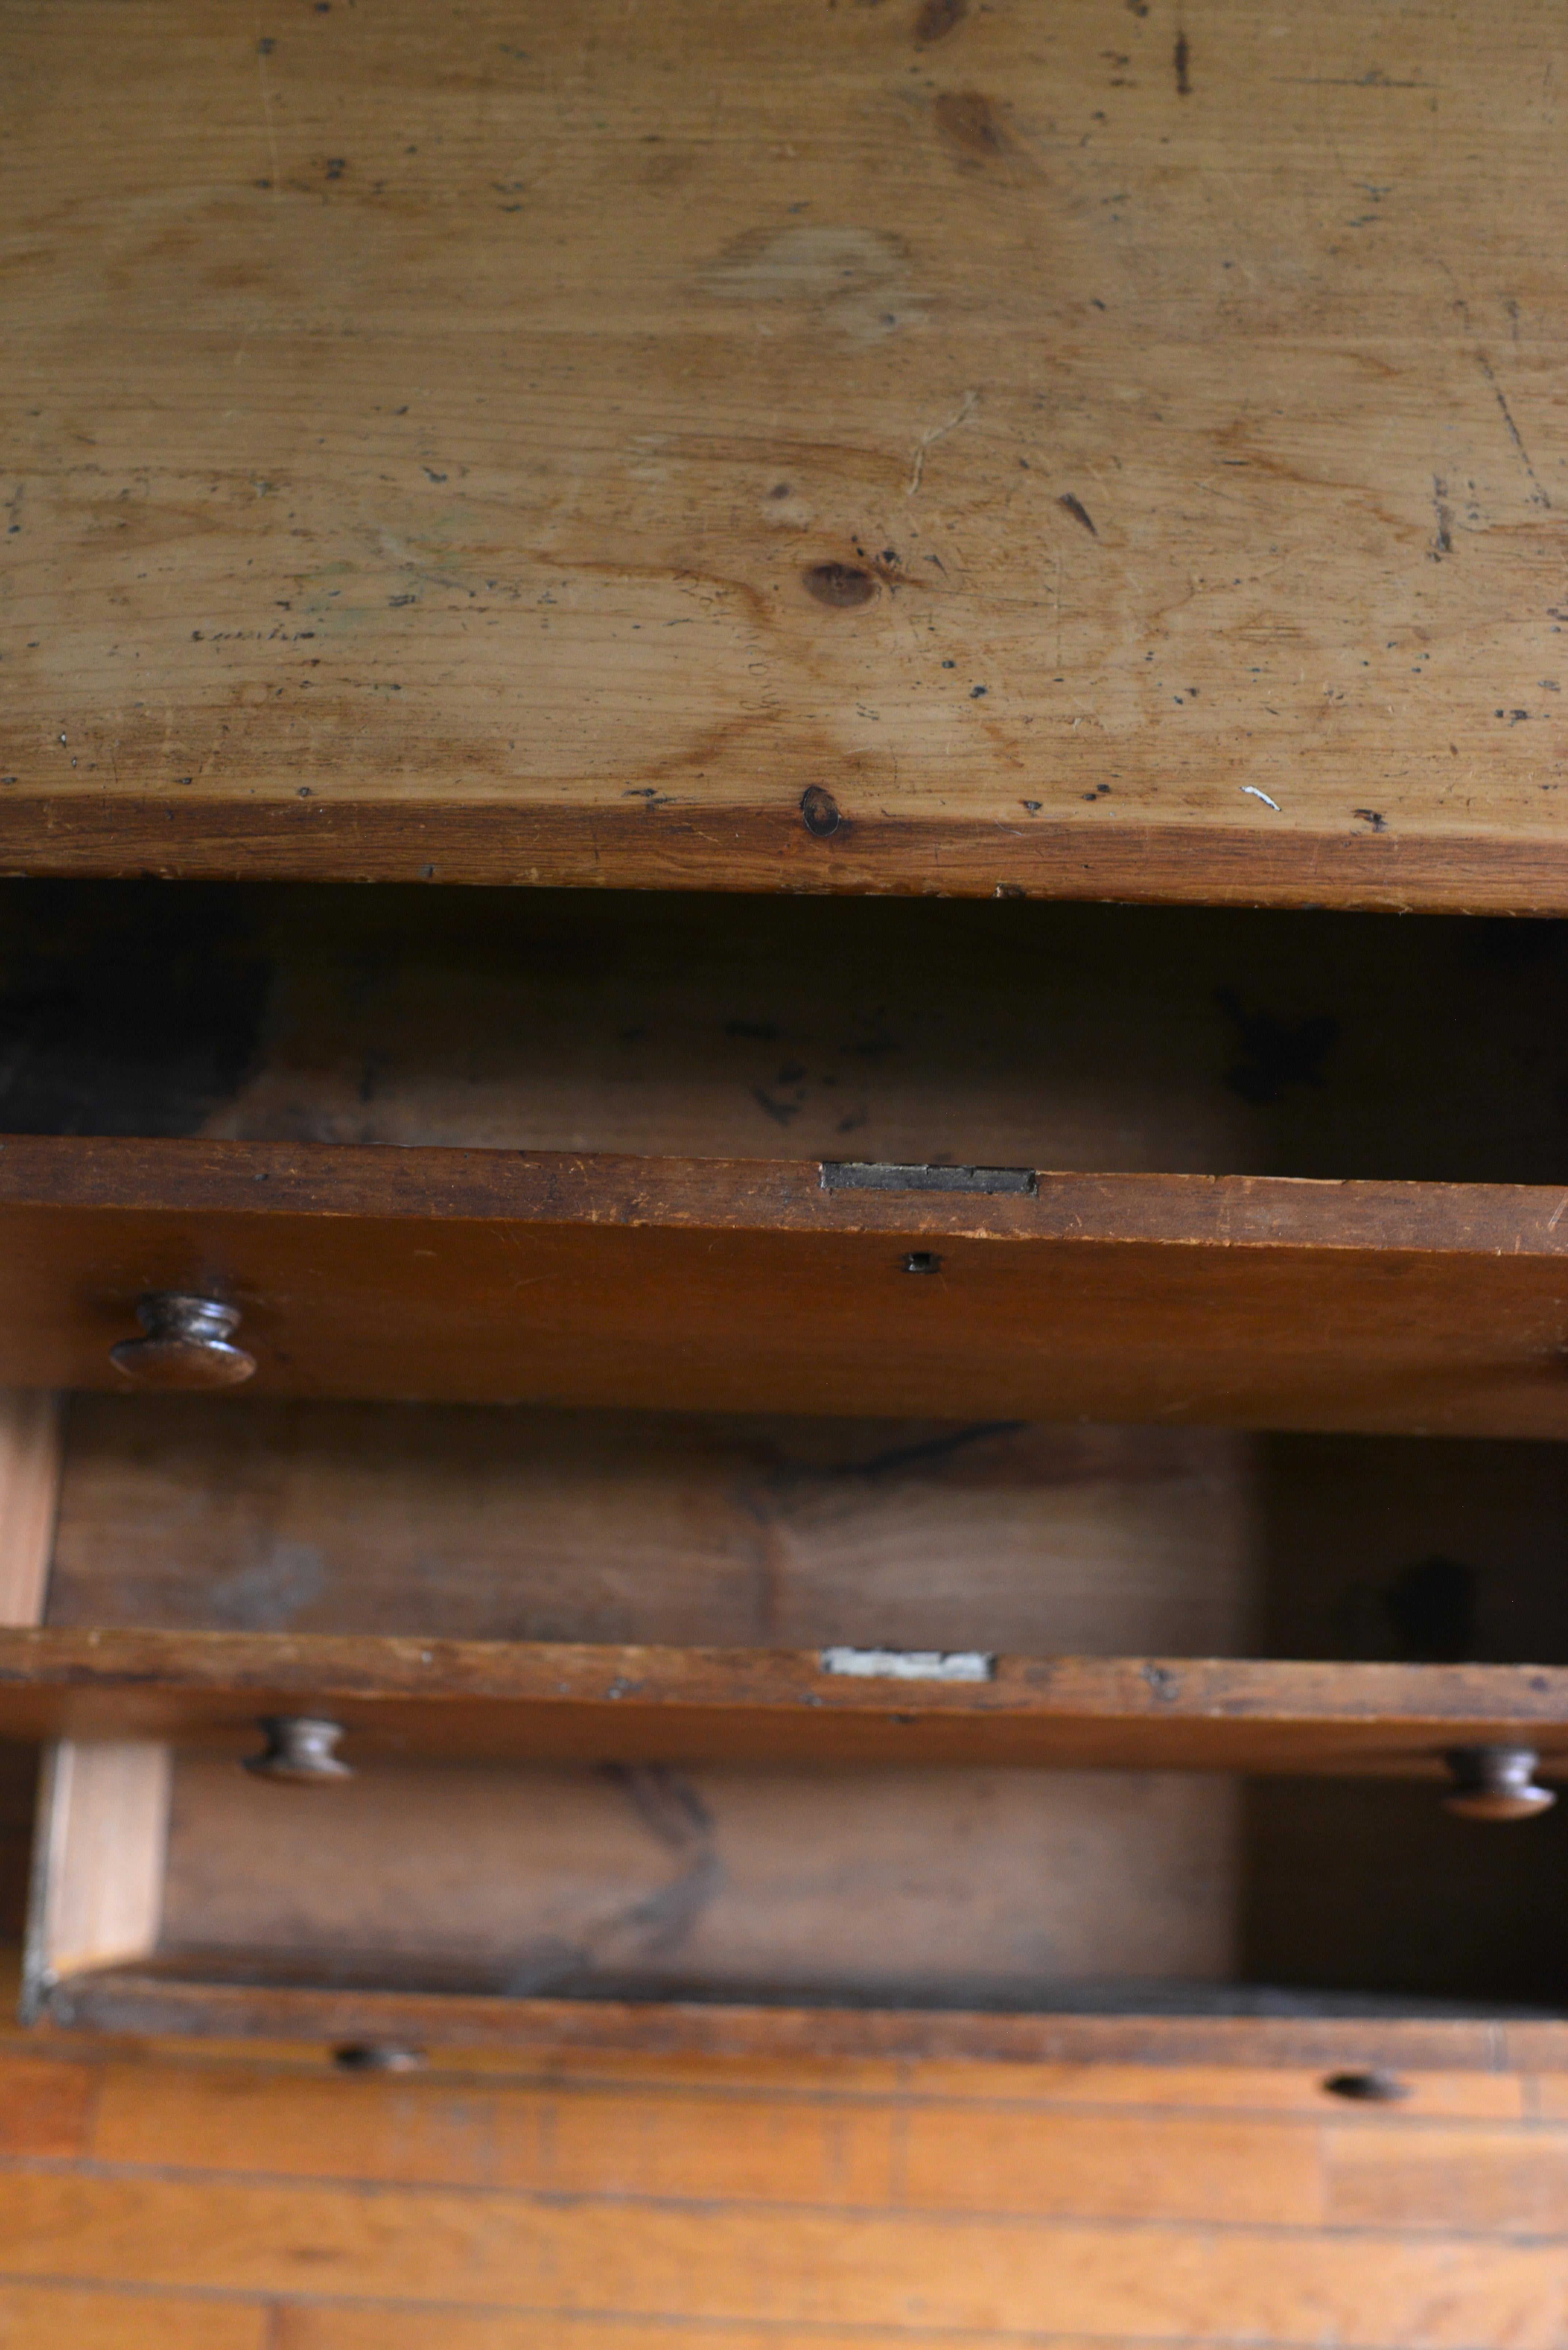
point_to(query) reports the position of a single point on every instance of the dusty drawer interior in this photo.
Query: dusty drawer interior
(647, 1874)
(1005, 1033)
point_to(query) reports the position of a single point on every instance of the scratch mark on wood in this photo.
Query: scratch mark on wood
(965, 408)
(263, 50)
(1538, 496)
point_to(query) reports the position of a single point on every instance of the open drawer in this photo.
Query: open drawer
(1277, 1170)
(739, 1733)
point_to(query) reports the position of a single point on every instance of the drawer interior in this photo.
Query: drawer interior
(915, 1031)
(973, 1887)
(509, 1523)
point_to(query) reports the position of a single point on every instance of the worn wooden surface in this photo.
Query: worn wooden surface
(860, 1886)
(714, 1530)
(705, 1284)
(560, 1700)
(258, 1994)
(229, 2201)
(1114, 451)
(497, 1523)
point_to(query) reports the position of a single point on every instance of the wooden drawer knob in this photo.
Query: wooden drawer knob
(299, 1752)
(1495, 1782)
(187, 1345)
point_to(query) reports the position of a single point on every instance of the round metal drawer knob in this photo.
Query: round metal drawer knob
(188, 1343)
(1495, 1782)
(299, 1752)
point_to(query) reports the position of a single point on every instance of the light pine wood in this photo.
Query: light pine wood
(918, 447)
(99, 1858)
(30, 1421)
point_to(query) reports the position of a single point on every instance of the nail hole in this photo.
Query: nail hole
(1370, 2088)
(377, 2056)
(922, 1260)
(843, 585)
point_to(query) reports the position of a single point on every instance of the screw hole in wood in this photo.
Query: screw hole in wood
(1371, 2087)
(377, 2056)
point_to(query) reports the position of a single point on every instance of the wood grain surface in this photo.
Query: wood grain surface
(481, 1523)
(707, 1285)
(1103, 452)
(221, 2199)
(560, 1700)
(174, 2000)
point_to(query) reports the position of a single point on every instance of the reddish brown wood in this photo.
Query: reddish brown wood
(557, 1701)
(707, 1283)
(177, 1998)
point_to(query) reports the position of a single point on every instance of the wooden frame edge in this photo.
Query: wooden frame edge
(159, 2004)
(99, 1847)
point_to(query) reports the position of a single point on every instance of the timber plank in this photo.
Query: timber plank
(1453, 2096)
(304, 2325)
(44, 2316)
(1113, 2167)
(749, 1285)
(557, 1701)
(788, 2149)
(45, 2107)
(161, 1999)
(1370, 2291)
(1494, 2181)
(727, 449)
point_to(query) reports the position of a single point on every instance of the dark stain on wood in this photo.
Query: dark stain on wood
(1183, 66)
(937, 19)
(969, 122)
(820, 812)
(1078, 511)
(840, 584)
